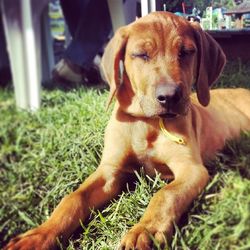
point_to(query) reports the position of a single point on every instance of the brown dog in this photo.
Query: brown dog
(156, 123)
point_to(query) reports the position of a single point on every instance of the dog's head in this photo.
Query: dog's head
(152, 64)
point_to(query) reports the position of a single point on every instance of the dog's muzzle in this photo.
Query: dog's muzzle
(168, 95)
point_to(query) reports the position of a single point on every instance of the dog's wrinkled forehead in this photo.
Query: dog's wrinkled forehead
(161, 24)
(156, 30)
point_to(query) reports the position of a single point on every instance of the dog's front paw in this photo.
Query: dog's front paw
(35, 239)
(146, 236)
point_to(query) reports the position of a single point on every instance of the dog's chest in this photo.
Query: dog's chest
(147, 145)
(143, 140)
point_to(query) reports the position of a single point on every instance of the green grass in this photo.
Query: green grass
(47, 154)
(235, 74)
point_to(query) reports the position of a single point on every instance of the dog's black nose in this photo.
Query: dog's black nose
(167, 93)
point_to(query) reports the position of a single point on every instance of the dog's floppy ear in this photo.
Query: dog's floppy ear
(113, 54)
(210, 62)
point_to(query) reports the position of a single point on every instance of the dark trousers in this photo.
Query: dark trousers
(89, 24)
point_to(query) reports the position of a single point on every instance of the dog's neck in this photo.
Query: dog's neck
(178, 139)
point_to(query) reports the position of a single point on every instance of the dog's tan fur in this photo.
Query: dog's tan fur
(160, 48)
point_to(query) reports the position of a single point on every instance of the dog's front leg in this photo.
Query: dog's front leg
(100, 187)
(166, 207)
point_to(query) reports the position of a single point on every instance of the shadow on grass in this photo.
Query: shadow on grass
(234, 157)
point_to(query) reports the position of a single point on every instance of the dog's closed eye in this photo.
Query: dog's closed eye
(142, 55)
(184, 52)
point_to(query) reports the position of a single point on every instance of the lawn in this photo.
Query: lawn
(47, 154)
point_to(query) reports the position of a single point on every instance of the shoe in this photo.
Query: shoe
(92, 76)
(66, 72)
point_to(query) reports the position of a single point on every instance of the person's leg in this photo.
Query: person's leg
(90, 25)
(91, 34)
(72, 11)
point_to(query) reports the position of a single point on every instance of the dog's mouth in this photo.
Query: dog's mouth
(173, 112)
(152, 109)
(169, 115)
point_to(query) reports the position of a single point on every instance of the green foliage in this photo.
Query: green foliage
(224, 3)
(202, 5)
(172, 4)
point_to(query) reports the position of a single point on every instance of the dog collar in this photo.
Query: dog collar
(170, 136)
